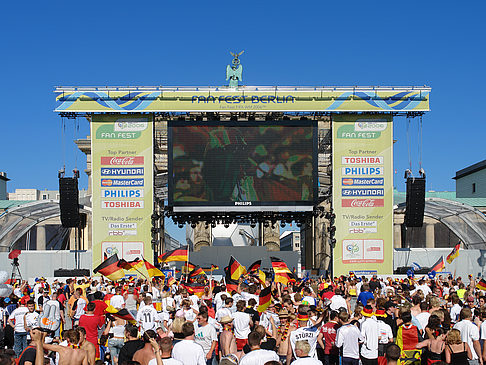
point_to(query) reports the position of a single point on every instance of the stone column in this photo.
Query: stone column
(271, 237)
(41, 237)
(429, 235)
(202, 236)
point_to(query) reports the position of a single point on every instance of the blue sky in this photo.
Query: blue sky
(312, 43)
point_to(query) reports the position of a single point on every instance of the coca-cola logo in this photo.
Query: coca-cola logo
(362, 203)
(122, 161)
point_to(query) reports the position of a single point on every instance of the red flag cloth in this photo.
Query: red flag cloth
(14, 254)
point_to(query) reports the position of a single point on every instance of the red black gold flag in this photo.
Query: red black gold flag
(194, 288)
(255, 266)
(197, 271)
(171, 281)
(130, 265)
(121, 313)
(454, 253)
(265, 299)
(439, 265)
(236, 269)
(230, 283)
(188, 267)
(152, 270)
(110, 268)
(282, 272)
(481, 285)
(179, 254)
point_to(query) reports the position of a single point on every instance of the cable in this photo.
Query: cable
(408, 144)
(420, 143)
(63, 138)
(76, 128)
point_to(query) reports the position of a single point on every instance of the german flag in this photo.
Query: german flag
(152, 270)
(188, 267)
(211, 268)
(194, 288)
(439, 265)
(197, 271)
(255, 266)
(179, 254)
(236, 269)
(121, 313)
(282, 272)
(130, 265)
(171, 281)
(110, 268)
(264, 299)
(481, 285)
(260, 276)
(454, 253)
(230, 283)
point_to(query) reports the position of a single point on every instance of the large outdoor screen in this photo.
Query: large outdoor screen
(242, 164)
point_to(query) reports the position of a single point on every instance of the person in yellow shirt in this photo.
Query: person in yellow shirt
(83, 284)
(461, 291)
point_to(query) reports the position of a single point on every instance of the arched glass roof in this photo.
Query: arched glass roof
(15, 222)
(467, 223)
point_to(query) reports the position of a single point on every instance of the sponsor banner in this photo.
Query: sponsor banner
(133, 204)
(362, 181)
(121, 171)
(122, 193)
(122, 160)
(348, 171)
(362, 203)
(121, 182)
(363, 193)
(352, 160)
(122, 163)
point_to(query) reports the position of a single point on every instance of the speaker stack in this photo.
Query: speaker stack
(414, 214)
(69, 202)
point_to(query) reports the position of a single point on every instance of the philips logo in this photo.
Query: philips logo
(242, 203)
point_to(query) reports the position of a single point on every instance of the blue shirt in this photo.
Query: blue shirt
(364, 296)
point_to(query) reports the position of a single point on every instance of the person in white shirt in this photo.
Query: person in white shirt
(16, 321)
(308, 299)
(165, 353)
(217, 298)
(348, 337)
(469, 332)
(337, 301)
(385, 334)
(302, 349)
(257, 356)
(456, 308)
(369, 332)
(117, 300)
(241, 324)
(424, 315)
(206, 335)
(30, 318)
(226, 310)
(187, 351)
(147, 316)
(304, 332)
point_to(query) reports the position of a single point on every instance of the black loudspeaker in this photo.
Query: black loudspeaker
(414, 214)
(67, 273)
(69, 201)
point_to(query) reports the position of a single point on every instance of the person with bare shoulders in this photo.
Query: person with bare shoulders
(227, 340)
(146, 353)
(68, 355)
(84, 344)
(283, 332)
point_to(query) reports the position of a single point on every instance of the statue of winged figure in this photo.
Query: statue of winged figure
(235, 70)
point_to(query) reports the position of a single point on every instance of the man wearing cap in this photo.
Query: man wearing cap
(303, 333)
(16, 321)
(369, 332)
(227, 341)
(283, 331)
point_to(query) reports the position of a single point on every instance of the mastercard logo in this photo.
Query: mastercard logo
(347, 181)
(106, 182)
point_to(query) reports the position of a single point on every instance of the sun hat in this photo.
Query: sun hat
(226, 319)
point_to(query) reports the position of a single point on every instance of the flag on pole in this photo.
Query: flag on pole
(282, 272)
(454, 253)
(187, 267)
(481, 285)
(121, 313)
(264, 299)
(171, 281)
(439, 265)
(230, 283)
(152, 270)
(110, 268)
(197, 271)
(130, 265)
(236, 269)
(255, 266)
(179, 254)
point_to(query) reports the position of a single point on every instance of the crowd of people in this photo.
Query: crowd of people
(345, 320)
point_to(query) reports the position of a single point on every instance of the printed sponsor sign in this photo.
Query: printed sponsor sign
(117, 204)
(362, 181)
(121, 182)
(121, 171)
(359, 160)
(363, 203)
(363, 192)
(128, 250)
(122, 193)
(122, 232)
(122, 226)
(121, 160)
(348, 171)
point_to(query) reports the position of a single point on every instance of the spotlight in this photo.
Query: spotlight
(282, 224)
(180, 225)
(193, 225)
(252, 225)
(213, 225)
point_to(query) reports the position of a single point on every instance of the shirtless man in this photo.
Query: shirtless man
(283, 332)
(146, 353)
(227, 341)
(86, 345)
(70, 355)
